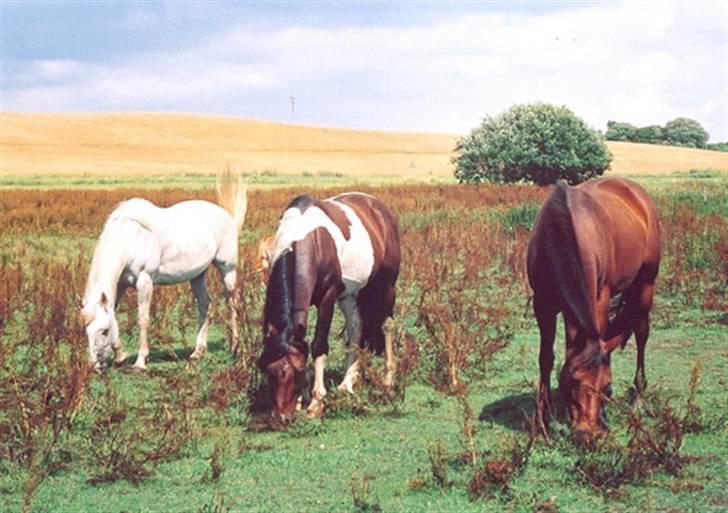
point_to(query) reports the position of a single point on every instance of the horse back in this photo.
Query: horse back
(616, 225)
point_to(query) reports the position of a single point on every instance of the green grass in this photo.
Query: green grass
(311, 467)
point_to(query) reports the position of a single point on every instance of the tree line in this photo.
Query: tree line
(678, 132)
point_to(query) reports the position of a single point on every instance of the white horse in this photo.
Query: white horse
(142, 245)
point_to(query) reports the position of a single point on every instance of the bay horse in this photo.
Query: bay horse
(341, 250)
(590, 243)
(142, 245)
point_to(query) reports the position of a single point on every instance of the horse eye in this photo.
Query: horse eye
(105, 332)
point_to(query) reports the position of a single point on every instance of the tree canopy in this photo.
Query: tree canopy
(537, 143)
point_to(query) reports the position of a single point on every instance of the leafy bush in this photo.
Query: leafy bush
(537, 143)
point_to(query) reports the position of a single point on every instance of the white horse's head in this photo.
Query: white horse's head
(102, 330)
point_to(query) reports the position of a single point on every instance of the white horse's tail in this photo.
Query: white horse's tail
(232, 195)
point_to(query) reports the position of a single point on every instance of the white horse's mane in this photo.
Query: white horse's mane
(110, 248)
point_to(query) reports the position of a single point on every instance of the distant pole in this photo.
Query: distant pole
(293, 105)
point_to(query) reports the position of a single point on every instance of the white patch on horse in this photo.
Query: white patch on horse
(356, 255)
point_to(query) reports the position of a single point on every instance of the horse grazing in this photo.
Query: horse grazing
(341, 250)
(142, 245)
(589, 244)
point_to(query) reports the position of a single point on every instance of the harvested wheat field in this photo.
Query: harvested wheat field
(141, 144)
(102, 145)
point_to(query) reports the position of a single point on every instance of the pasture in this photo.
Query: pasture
(189, 437)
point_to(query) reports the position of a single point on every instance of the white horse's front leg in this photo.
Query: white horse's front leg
(199, 289)
(144, 297)
(353, 336)
(119, 353)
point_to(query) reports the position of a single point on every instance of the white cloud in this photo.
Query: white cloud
(639, 62)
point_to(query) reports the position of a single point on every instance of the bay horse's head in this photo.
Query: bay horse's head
(585, 385)
(284, 348)
(101, 330)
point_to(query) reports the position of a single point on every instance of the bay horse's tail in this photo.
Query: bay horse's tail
(232, 195)
(562, 249)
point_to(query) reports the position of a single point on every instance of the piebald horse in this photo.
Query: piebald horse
(341, 250)
(142, 245)
(589, 244)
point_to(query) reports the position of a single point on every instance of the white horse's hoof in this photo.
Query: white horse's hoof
(195, 356)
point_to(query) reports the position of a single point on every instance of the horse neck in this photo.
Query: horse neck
(106, 268)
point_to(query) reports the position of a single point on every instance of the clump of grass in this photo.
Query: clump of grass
(655, 434)
(496, 473)
(218, 456)
(519, 217)
(360, 494)
(128, 443)
(439, 464)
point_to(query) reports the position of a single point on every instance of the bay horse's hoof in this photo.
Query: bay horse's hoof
(315, 410)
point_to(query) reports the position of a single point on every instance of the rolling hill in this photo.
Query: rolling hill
(141, 144)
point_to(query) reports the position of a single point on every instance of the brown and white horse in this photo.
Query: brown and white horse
(589, 244)
(341, 250)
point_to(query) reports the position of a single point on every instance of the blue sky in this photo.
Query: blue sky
(426, 66)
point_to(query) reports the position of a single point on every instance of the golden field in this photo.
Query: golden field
(142, 144)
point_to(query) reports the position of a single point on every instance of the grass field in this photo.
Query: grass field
(165, 150)
(186, 437)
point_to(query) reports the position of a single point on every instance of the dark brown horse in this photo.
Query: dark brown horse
(341, 250)
(589, 244)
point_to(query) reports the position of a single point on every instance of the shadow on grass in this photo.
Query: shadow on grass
(512, 412)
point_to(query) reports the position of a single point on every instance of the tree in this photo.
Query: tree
(685, 132)
(619, 131)
(651, 134)
(539, 143)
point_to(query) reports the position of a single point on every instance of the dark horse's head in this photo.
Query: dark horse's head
(284, 349)
(585, 385)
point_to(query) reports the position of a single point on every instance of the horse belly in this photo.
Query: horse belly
(183, 263)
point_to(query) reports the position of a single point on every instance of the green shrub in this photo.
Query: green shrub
(538, 143)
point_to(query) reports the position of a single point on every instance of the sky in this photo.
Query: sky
(402, 66)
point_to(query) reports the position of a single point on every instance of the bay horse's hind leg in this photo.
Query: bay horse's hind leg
(199, 289)
(546, 319)
(642, 333)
